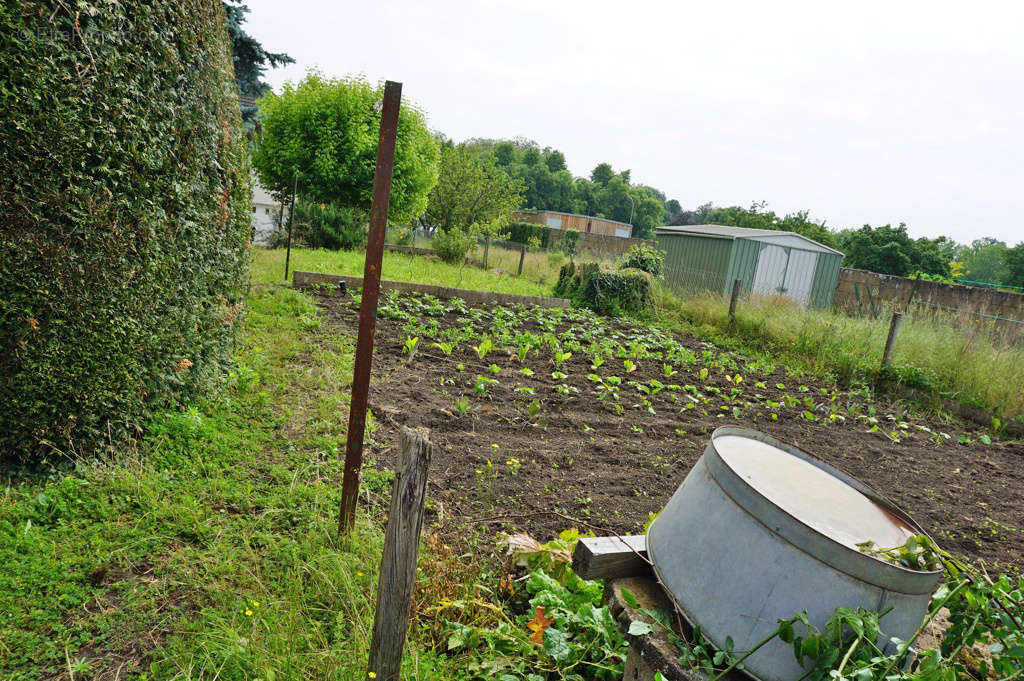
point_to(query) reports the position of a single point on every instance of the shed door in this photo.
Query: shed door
(800, 275)
(785, 271)
(769, 277)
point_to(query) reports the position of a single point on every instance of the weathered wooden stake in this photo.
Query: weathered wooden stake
(890, 342)
(398, 562)
(732, 301)
(522, 256)
(487, 246)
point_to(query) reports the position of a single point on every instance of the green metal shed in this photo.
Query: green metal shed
(768, 262)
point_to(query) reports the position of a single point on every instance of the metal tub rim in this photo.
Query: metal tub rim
(821, 547)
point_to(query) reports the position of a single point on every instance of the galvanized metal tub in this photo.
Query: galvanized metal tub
(736, 562)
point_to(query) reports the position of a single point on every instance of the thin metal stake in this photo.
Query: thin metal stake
(368, 306)
(291, 214)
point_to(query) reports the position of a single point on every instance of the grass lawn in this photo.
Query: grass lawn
(268, 267)
(210, 550)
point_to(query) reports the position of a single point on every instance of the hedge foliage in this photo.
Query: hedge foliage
(645, 258)
(126, 197)
(606, 291)
(522, 232)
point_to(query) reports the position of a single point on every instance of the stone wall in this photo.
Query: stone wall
(863, 293)
(598, 245)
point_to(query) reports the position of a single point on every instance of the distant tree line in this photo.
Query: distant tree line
(548, 185)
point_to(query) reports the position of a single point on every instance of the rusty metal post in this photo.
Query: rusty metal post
(368, 306)
(291, 214)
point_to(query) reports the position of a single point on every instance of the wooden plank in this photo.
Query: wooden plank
(611, 557)
(398, 562)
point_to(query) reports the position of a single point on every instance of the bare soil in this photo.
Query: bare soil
(580, 463)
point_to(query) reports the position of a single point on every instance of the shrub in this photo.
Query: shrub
(127, 205)
(526, 232)
(645, 258)
(606, 291)
(572, 237)
(326, 225)
(453, 245)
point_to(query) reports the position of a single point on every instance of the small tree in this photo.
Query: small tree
(471, 191)
(326, 131)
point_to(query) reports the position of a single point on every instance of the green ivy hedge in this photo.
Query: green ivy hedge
(605, 291)
(126, 197)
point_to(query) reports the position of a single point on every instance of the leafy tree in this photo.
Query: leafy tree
(471, 191)
(325, 130)
(555, 160)
(1014, 263)
(602, 174)
(985, 260)
(672, 207)
(250, 59)
(890, 250)
(505, 154)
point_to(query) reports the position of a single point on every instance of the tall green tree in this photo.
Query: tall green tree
(602, 174)
(985, 260)
(471, 191)
(325, 130)
(1013, 260)
(890, 250)
(250, 59)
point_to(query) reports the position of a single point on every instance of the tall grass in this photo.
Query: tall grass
(970, 363)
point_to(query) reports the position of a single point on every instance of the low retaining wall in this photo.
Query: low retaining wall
(411, 250)
(307, 280)
(864, 293)
(608, 247)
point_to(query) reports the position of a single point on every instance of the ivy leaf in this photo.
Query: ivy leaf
(637, 628)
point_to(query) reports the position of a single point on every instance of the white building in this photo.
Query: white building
(264, 211)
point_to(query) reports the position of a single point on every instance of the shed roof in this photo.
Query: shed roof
(729, 232)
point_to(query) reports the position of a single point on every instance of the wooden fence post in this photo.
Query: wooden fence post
(522, 256)
(398, 562)
(890, 342)
(487, 246)
(732, 300)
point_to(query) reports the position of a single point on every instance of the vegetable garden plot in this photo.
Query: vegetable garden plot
(535, 411)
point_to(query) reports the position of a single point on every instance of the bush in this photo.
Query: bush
(606, 291)
(327, 225)
(645, 258)
(526, 232)
(453, 245)
(127, 217)
(572, 237)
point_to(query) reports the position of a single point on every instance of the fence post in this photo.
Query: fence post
(522, 256)
(732, 300)
(890, 342)
(398, 562)
(487, 246)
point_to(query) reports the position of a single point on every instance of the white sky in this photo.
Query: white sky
(858, 112)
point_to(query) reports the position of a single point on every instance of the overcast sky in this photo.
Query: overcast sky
(873, 113)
